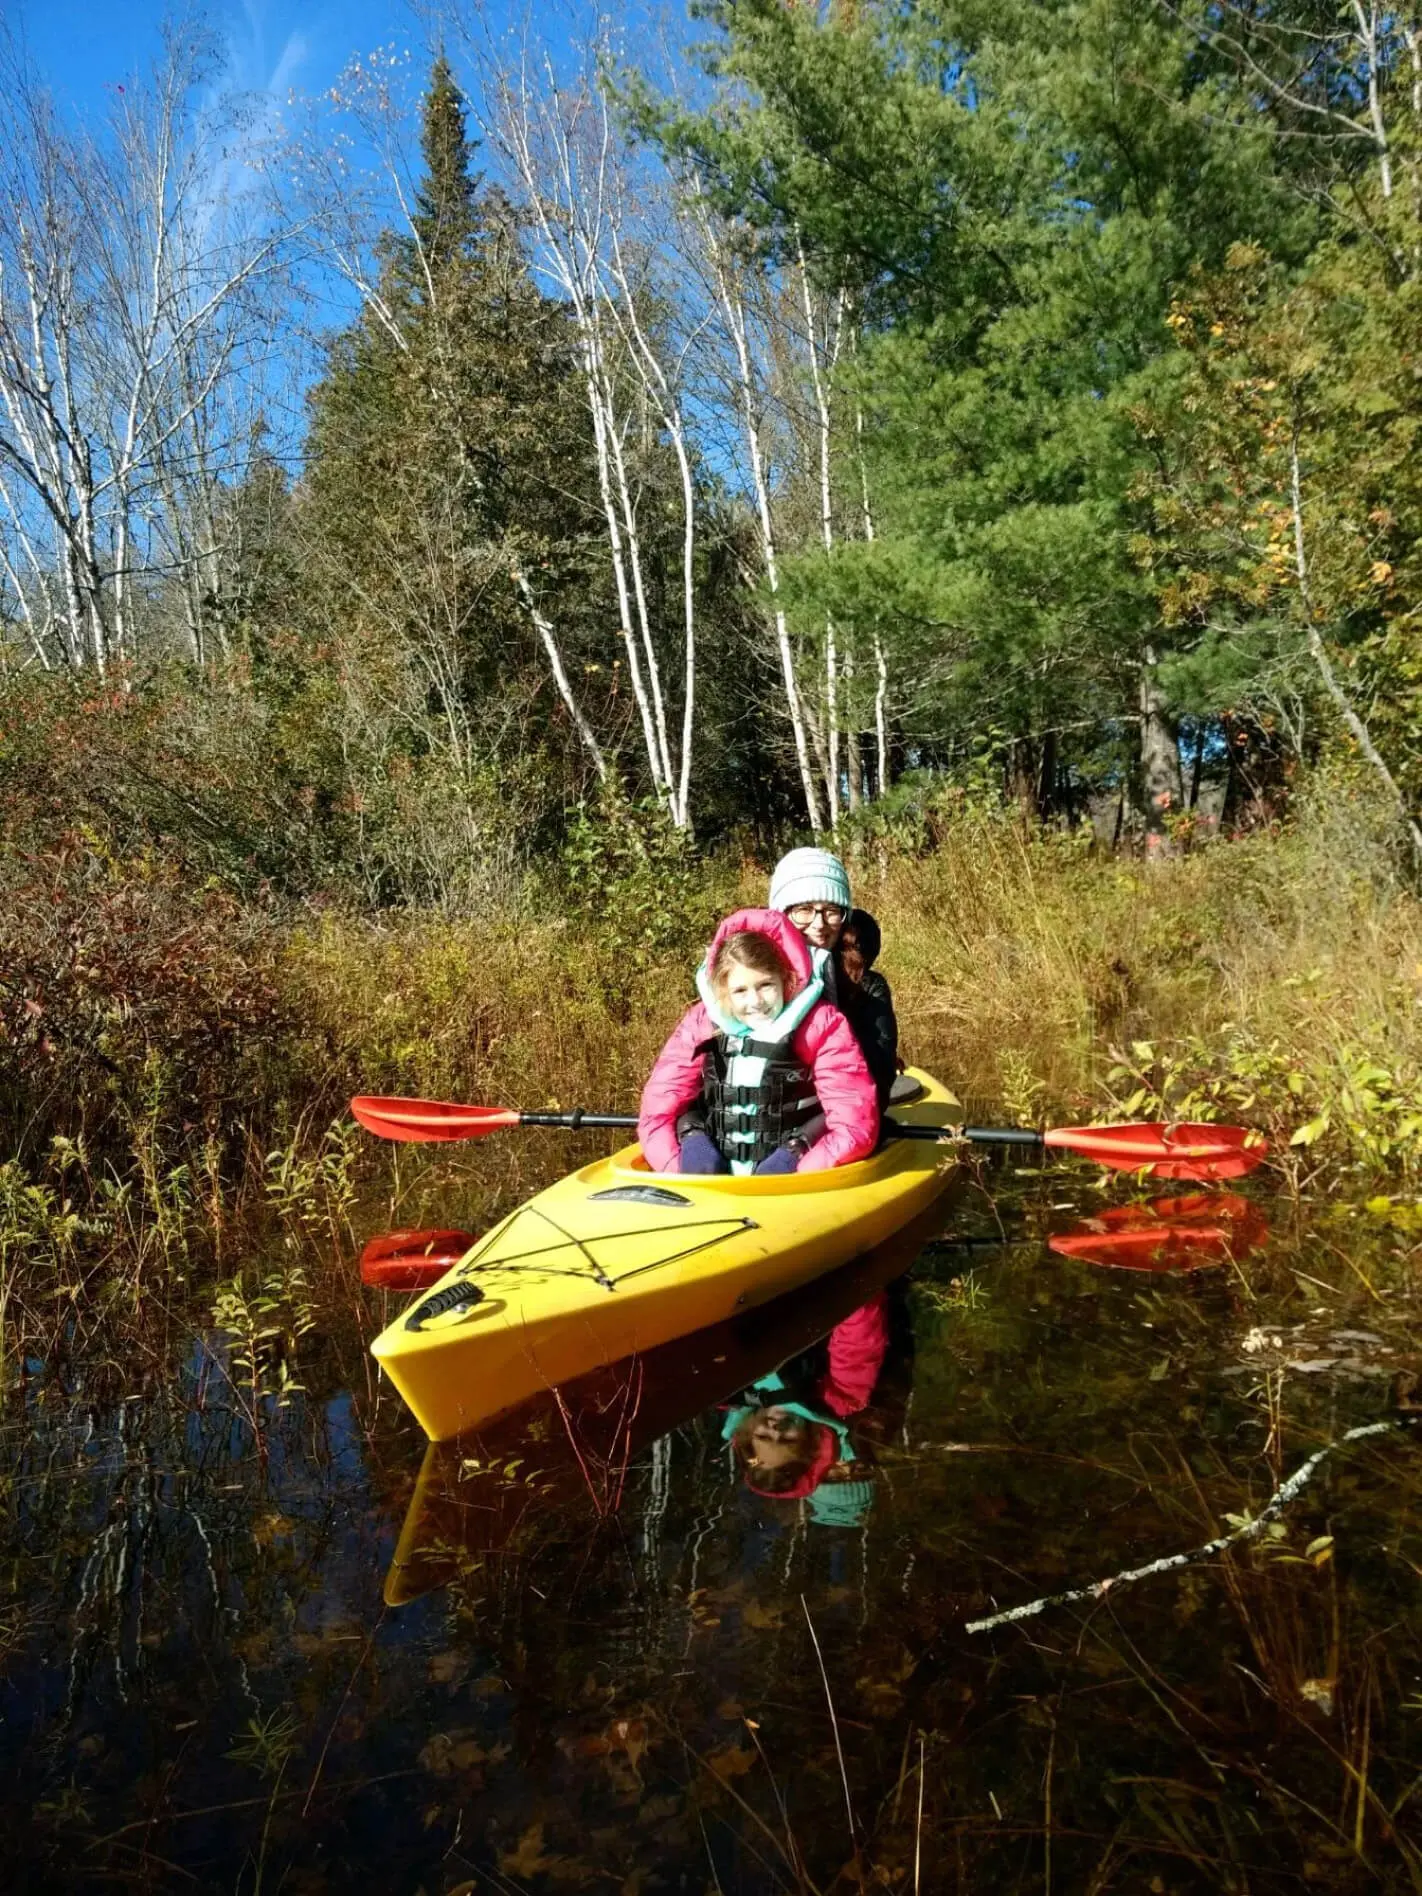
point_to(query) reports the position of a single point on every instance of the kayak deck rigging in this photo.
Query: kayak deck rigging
(471, 1266)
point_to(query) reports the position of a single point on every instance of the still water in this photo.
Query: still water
(255, 1642)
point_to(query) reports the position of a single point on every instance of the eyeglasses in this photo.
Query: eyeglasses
(830, 913)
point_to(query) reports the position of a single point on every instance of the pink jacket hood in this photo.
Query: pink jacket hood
(777, 928)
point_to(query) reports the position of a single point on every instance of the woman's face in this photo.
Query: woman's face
(752, 997)
(821, 923)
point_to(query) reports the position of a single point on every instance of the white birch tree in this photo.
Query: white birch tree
(731, 278)
(354, 163)
(140, 293)
(571, 171)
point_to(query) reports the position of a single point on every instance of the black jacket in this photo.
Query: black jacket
(868, 1005)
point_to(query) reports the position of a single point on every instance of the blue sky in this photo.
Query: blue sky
(83, 47)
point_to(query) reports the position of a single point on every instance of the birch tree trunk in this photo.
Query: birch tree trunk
(818, 381)
(1358, 730)
(1411, 30)
(561, 151)
(549, 640)
(1161, 782)
(660, 387)
(733, 310)
(881, 663)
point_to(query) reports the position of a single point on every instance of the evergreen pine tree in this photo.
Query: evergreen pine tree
(446, 216)
(1015, 192)
(449, 447)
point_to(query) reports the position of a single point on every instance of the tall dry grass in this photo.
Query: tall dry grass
(1277, 979)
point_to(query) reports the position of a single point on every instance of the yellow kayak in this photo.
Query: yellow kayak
(615, 1259)
(537, 1473)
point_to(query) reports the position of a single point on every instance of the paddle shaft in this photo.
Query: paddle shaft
(577, 1120)
(975, 1135)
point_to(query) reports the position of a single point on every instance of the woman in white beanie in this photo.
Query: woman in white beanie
(811, 887)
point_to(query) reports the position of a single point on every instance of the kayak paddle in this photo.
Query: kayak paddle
(424, 1120)
(1187, 1151)
(412, 1260)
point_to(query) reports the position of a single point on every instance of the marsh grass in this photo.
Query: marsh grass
(1275, 980)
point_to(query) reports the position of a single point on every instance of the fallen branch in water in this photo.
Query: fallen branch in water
(1277, 1502)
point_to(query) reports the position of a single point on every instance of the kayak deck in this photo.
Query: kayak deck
(614, 1259)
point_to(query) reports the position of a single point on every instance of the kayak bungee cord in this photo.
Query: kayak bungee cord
(725, 1228)
(599, 1274)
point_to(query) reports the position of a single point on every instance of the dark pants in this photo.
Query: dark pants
(701, 1154)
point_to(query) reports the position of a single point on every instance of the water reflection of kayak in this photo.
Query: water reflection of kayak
(518, 1477)
(614, 1260)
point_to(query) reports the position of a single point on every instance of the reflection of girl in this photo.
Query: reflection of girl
(790, 1434)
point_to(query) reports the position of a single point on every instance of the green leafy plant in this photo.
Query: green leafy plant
(636, 877)
(1333, 1102)
(264, 1324)
(315, 1190)
(266, 1742)
(35, 1216)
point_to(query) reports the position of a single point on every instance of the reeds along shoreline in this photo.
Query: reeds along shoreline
(195, 1067)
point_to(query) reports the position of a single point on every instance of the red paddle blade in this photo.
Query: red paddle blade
(1183, 1150)
(419, 1120)
(412, 1260)
(1169, 1236)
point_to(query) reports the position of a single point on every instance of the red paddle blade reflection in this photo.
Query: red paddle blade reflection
(426, 1120)
(1187, 1149)
(1168, 1236)
(412, 1260)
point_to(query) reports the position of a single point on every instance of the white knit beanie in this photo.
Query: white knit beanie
(809, 875)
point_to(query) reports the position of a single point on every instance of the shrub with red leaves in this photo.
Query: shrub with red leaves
(126, 990)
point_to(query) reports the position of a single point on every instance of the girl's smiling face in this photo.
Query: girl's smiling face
(753, 997)
(776, 1436)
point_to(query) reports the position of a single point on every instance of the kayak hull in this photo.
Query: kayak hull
(570, 1452)
(614, 1260)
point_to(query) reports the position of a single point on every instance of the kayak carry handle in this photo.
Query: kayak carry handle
(460, 1296)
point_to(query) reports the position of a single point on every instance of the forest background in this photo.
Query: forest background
(978, 437)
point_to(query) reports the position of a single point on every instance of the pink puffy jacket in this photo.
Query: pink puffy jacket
(857, 1348)
(824, 1042)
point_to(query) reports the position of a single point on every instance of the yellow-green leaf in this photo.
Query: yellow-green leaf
(1311, 1132)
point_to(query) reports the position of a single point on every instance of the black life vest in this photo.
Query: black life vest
(748, 1119)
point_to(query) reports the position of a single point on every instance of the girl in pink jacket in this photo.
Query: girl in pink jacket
(763, 1074)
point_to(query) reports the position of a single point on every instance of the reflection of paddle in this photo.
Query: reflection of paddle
(1166, 1151)
(412, 1260)
(1168, 1235)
